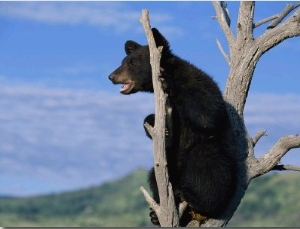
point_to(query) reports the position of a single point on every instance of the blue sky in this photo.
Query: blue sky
(65, 126)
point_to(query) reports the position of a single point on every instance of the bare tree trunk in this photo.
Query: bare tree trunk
(245, 52)
(166, 210)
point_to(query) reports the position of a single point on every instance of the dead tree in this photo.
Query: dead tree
(166, 211)
(244, 53)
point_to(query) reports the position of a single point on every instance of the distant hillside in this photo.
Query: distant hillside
(272, 200)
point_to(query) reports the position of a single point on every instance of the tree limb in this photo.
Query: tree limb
(286, 167)
(271, 159)
(283, 14)
(182, 207)
(149, 199)
(223, 52)
(223, 22)
(258, 136)
(272, 37)
(261, 22)
(278, 17)
(166, 212)
(149, 128)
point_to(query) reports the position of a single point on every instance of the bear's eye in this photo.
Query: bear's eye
(132, 62)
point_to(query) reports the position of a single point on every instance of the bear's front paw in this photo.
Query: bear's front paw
(153, 216)
(150, 119)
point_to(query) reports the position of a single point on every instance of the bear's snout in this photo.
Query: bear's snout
(112, 77)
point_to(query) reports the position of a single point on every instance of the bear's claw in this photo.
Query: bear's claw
(154, 218)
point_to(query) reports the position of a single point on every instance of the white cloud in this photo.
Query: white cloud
(114, 15)
(266, 109)
(55, 134)
(93, 13)
(67, 139)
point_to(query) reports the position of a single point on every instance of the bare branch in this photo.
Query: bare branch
(283, 14)
(149, 128)
(271, 18)
(272, 37)
(223, 23)
(286, 167)
(182, 207)
(149, 199)
(223, 52)
(278, 17)
(256, 138)
(272, 158)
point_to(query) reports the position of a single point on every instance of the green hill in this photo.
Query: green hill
(119, 203)
(272, 200)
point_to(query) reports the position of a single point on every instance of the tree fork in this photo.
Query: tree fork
(244, 53)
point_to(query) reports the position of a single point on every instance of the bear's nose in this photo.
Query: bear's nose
(112, 77)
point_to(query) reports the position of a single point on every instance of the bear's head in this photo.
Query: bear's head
(135, 70)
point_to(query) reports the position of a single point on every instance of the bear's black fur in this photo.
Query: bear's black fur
(202, 158)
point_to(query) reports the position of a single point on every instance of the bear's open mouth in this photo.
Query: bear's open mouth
(126, 88)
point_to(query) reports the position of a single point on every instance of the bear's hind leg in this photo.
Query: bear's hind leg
(207, 181)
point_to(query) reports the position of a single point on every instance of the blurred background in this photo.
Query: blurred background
(65, 126)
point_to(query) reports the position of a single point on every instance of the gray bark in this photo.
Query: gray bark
(166, 210)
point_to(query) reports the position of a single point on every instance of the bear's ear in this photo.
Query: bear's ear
(130, 46)
(160, 40)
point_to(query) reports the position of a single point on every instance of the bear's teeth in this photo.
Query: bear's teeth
(125, 87)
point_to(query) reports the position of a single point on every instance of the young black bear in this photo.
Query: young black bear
(202, 158)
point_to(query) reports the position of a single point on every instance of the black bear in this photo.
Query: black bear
(202, 157)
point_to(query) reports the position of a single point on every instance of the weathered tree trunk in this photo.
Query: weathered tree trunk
(166, 210)
(244, 53)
